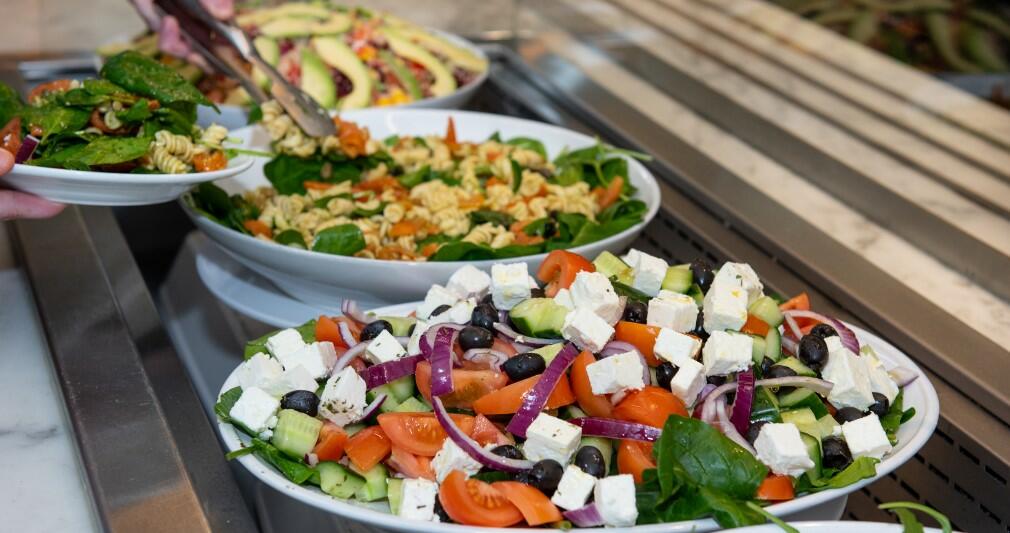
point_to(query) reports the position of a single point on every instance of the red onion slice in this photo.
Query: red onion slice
(351, 310)
(536, 398)
(441, 361)
(616, 429)
(789, 345)
(470, 446)
(743, 401)
(700, 402)
(792, 328)
(819, 386)
(372, 408)
(586, 516)
(727, 428)
(515, 336)
(493, 358)
(383, 373)
(28, 146)
(847, 336)
(902, 376)
(348, 356)
(346, 335)
(427, 342)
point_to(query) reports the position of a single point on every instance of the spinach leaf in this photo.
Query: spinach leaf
(496, 136)
(425, 174)
(628, 209)
(528, 144)
(482, 216)
(345, 239)
(138, 112)
(862, 468)
(142, 75)
(103, 88)
(569, 225)
(592, 232)
(541, 227)
(569, 174)
(10, 104)
(363, 213)
(391, 140)
(438, 238)
(81, 97)
(255, 115)
(290, 237)
(468, 251)
(895, 417)
(111, 150)
(321, 203)
(730, 512)
(772, 518)
(288, 173)
(517, 175)
(177, 117)
(224, 404)
(296, 471)
(54, 119)
(909, 521)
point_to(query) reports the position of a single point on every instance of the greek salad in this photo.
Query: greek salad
(612, 392)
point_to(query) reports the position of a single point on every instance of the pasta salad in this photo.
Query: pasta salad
(431, 197)
(139, 117)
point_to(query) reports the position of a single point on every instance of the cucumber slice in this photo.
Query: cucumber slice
(758, 349)
(773, 345)
(613, 267)
(575, 412)
(768, 310)
(827, 424)
(678, 279)
(351, 429)
(813, 446)
(539, 317)
(402, 388)
(801, 417)
(606, 447)
(337, 480)
(765, 407)
(695, 292)
(390, 404)
(394, 491)
(296, 433)
(375, 485)
(413, 405)
(401, 324)
(797, 366)
(803, 398)
(549, 352)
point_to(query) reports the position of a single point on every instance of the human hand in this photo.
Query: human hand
(15, 204)
(170, 39)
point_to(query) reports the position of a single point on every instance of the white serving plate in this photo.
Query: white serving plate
(911, 437)
(322, 279)
(236, 116)
(839, 526)
(112, 188)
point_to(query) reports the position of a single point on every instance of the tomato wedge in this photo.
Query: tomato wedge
(330, 446)
(468, 385)
(420, 433)
(592, 404)
(776, 488)
(475, 503)
(536, 507)
(10, 136)
(755, 326)
(485, 432)
(801, 302)
(641, 336)
(559, 269)
(367, 448)
(507, 400)
(634, 457)
(650, 406)
(410, 465)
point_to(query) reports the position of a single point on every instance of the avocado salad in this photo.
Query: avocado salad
(138, 117)
(612, 392)
(345, 58)
(430, 198)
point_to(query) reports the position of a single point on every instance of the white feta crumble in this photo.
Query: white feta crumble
(866, 437)
(725, 353)
(284, 342)
(256, 410)
(676, 347)
(564, 299)
(510, 284)
(459, 313)
(436, 297)
(469, 282)
(616, 373)
(615, 499)
(648, 272)
(549, 437)
(725, 307)
(688, 381)
(384, 348)
(744, 275)
(587, 330)
(343, 398)
(880, 380)
(848, 372)
(414, 344)
(780, 447)
(574, 488)
(297, 378)
(318, 358)
(418, 499)
(260, 371)
(593, 291)
(673, 310)
(452, 457)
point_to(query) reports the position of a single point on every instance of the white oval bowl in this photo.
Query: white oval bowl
(911, 437)
(236, 116)
(323, 279)
(838, 526)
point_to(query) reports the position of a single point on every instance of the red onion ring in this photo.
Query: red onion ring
(616, 429)
(789, 345)
(727, 428)
(700, 401)
(902, 376)
(348, 356)
(372, 407)
(470, 446)
(743, 401)
(847, 336)
(383, 373)
(792, 327)
(427, 342)
(441, 361)
(586, 516)
(493, 358)
(28, 146)
(535, 400)
(351, 310)
(515, 336)
(346, 335)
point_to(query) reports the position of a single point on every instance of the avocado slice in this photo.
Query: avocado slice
(316, 80)
(303, 27)
(338, 55)
(454, 54)
(444, 82)
(258, 17)
(402, 73)
(270, 51)
(336, 23)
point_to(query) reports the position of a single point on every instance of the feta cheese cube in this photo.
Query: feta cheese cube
(550, 437)
(673, 310)
(452, 457)
(676, 347)
(725, 307)
(284, 342)
(437, 296)
(725, 353)
(418, 499)
(459, 313)
(744, 275)
(849, 374)
(296, 378)
(574, 488)
(469, 282)
(587, 330)
(256, 410)
(509, 284)
(593, 291)
(564, 299)
(780, 447)
(318, 358)
(616, 373)
(866, 437)
(414, 344)
(343, 398)
(384, 348)
(648, 271)
(615, 499)
(260, 371)
(880, 380)
(688, 381)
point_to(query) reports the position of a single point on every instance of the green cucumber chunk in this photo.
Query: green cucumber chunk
(827, 425)
(613, 267)
(802, 418)
(606, 447)
(402, 388)
(539, 317)
(394, 491)
(797, 366)
(550, 351)
(390, 404)
(678, 279)
(758, 349)
(803, 398)
(337, 480)
(695, 292)
(767, 309)
(413, 405)
(813, 446)
(296, 433)
(375, 485)
(351, 429)
(773, 344)
(401, 324)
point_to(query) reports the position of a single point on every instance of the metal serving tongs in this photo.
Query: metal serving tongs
(227, 47)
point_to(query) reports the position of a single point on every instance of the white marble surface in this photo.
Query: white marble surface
(42, 487)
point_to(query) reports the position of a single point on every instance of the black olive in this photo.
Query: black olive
(537, 293)
(754, 430)
(443, 516)
(766, 365)
(373, 329)
(524, 365)
(880, 405)
(487, 299)
(439, 310)
(635, 311)
(507, 450)
(302, 401)
(472, 337)
(590, 460)
(410, 330)
(823, 331)
(716, 380)
(665, 373)
(848, 414)
(701, 271)
(484, 316)
(699, 327)
(836, 453)
(780, 371)
(544, 476)
(813, 352)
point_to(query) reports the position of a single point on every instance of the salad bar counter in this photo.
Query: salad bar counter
(639, 255)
